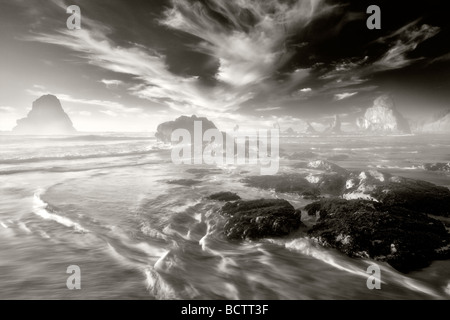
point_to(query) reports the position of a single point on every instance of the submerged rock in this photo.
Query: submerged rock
(224, 196)
(46, 117)
(405, 239)
(256, 219)
(184, 182)
(439, 166)
(285, 183)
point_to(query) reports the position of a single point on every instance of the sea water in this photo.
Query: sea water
(111, 205)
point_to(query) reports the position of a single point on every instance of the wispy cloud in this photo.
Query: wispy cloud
(406, 39)
(267, 109)
(248, 39)
(345, 95)
(111, 83)
(251, 44)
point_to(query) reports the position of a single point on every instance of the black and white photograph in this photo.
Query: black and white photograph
(224, 150)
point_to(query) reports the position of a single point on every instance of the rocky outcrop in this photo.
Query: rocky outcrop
(438, 166)
(415, 195)
(382, 117)
(224, 196)
(164, 130)
(260, 218)
(323, 178)
(46, 117)
(367, 214)
(405, 239)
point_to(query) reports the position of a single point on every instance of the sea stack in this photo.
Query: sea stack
(383, 117)
(165, 129)
(46, 117)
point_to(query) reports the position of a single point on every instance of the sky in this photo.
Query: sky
(134, 64)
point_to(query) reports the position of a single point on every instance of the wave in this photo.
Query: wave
(40, 209)
(101, 138)
(380, 166)
(76, 157)
(86, 137)
(307, 246)
(70, 169)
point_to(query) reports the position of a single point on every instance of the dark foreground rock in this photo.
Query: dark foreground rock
(224, 196)
(261, 218)
(405, 239)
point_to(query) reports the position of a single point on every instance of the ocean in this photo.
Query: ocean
(140, 227)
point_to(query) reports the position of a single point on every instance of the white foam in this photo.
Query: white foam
(358, 195)
(305, 246)
(44, 234)
(157, 286)
(39, 208)
(313, 179)
(24, 227)
(447, 288)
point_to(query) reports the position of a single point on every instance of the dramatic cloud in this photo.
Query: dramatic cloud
(251, 45)
(236, 60)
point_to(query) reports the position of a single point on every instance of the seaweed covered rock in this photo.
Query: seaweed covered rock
(224, 196)
(255, 219)
(405, 239)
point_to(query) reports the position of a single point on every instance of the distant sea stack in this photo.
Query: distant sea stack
(46, 117)
(439, 123)
(165, 129)
(382, 117)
